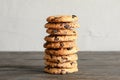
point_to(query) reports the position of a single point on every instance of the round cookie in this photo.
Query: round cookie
(61, 59)
(52, 38)
(70, 64)
(60, 70)
(60, 44)
(62, 51)
(62, 18)
(61, 32)
(62, 25)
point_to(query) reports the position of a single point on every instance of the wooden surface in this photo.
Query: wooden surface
(29, 66)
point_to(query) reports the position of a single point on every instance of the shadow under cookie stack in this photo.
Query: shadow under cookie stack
(60, 53)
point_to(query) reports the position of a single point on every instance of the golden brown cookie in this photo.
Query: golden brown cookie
(61, 32)
(61, 59)
(62, 18)
(54, 38)
(70, 64)
(68, 44)
(60, 70)
(62, 51)
(62, 25)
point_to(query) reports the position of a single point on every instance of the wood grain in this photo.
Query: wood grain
(30, 65)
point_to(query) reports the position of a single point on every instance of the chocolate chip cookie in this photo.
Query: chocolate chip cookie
(48, 69)
(69, 64)
(62, 51)
(61, 59)
(61, 32)
(62, 25)
(68, 44)
(54, 38)
(62, 18)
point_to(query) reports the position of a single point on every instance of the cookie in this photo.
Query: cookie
(69, 64)
(60, 44)
(62, 18)
(61, 59)
(61, 32)
(62, 25)
(61, 51)
(60, 70)
(52, 38)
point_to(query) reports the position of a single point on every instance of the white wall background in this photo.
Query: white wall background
(22, 23)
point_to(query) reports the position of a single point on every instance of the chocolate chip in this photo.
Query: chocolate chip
(61, 44)
(64, 59)
(72, 63)
(63, 72)
(56, 38)
(54, 31)
(69, 48)
(67, 27)
(54, 18)
(61, 24)
(58, 60)
(74, 32)
(74, 16)
(51, 56)
(48, 68)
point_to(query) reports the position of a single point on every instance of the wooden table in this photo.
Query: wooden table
(30, 65)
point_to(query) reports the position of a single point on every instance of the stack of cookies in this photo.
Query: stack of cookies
(60, 53)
